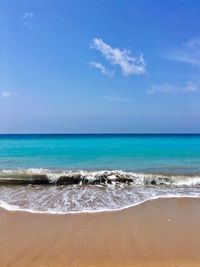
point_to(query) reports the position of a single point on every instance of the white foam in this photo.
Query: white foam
(8, 207)
(93, 198)
(138, 178)
(79, 199)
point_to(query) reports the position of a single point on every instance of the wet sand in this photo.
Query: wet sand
(164, 232)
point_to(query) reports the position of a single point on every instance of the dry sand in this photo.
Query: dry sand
(164, 232)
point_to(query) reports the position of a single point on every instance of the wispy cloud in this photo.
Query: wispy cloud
(6, 94)
(27, 18)
(189, 87)
(101, 67)
(189, 53)
(28, 15)
(128, 63)
(118, 98)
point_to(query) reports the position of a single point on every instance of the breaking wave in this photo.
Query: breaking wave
(65, 191)
(68, 177)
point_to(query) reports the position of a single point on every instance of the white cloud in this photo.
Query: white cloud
(189, 87)
(189, 53)
(28, 15)
(101, 67)
(129, 64)
(6, 94)
(118, 98)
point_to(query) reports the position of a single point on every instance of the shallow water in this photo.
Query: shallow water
(169, 153)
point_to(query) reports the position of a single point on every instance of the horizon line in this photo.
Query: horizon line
(95, 133)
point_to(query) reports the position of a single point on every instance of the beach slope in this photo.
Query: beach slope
(163, 232)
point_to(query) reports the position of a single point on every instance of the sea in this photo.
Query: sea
(75, 173)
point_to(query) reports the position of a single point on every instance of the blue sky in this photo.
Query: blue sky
(99, 66)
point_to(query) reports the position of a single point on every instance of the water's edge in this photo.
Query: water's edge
(13, 209)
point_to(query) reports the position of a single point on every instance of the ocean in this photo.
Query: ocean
(62, 173)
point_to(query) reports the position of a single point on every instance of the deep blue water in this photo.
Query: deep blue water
(155, 153)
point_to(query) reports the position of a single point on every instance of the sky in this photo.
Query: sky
(99, 66)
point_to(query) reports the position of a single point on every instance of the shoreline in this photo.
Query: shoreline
(157, 233)
(9, 208)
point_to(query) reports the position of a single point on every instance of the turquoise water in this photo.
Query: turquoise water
(160, 153)
(87, 173)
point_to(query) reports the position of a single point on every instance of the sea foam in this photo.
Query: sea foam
(66, 191)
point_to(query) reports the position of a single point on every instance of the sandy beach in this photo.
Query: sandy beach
(163, 232)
